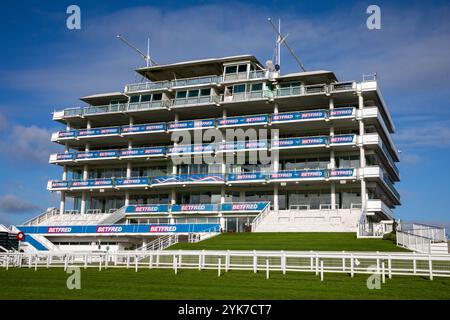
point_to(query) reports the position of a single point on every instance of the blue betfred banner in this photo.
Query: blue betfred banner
(298, 116)
(148, 208)
(243, 207)
(144, 128)
(92, 183)
(143, 152)
(342, 173)
(98, 131)
(97, 154)
(142, 181)
(193, 208)
(246, 177)
(298, 175)
(65, 156)
(343, 139)
(243, 120)
(67, 134)
(191, 124)
(120, 229)
(342, 112)
(60, 184)
(184, 178)
(298, 142)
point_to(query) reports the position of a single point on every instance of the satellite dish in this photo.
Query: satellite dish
(277, 67)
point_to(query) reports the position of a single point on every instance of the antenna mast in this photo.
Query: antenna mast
(149, 61)
(282, 40)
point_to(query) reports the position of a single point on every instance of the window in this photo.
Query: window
(193, 93)
(181, 94)
(242, 68)
(157, 96)
(256, 87)
(146, 98)
(205, 92)
(230, 69)
(134, 99)
(240, 88)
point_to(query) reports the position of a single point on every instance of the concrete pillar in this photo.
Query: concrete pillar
(127, 198)
(62, 202)
(275, 197)
(331, 104)
(131, 122)
(241, 196)
(88, 124)
(222, 194)
(83, 203)
(66, 148)
(362, 154)
(333, 195)
(129, 169)
(68, 126)
(85, 172)
(64, 175)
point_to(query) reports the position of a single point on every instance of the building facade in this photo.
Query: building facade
(325, 159)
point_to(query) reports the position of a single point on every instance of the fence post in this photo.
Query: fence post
(351, 265)
(414, 264)
(283, 262)
(390, 266)
(100, 263)
(255, 262)
(65, 262)
(317, 264)
(85, 261)
(311, 261)
(29, 262)
(343, 261)
(430, 264)
(35, 263)
(150, 261)
(7, 261)
(136, 263)
(383, 275)
(48, 261)
(321, 270)
(174, 261)
(218, 266)
(128, 261)
(267, 268)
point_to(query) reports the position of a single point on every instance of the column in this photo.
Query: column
(67, 126)
(62, 202)
(83, 194)
(332, 166)
(362, 154)
(276, 164)
(222, 200)
(173, 200)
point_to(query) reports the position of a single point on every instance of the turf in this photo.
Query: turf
(291, 241)
(194, 284)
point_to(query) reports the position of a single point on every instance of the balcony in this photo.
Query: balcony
(208, 208)
(207, 179)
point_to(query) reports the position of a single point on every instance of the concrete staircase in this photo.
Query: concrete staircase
(341, 220)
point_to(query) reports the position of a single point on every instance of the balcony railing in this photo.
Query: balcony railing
(208, 148)
(205, 179)
(236, 97)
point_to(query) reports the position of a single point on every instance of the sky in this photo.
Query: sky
(45, 67)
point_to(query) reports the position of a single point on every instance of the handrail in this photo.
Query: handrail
(257, 220)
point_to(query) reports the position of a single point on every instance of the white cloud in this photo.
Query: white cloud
(427, 134)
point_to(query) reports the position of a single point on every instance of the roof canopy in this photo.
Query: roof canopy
(103, 98)
(191, 69)
(310, 77)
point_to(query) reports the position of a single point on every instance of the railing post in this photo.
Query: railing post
(255, 262)
(267, 268)
(430, 266)
(136, 263)
(343, 261)
(317, 264)
(383, 275)
(85, 261)
(227, 261)
(218, 266)
(351, 265)
(321, 270)
(7, 261)
(174, 261)
(390, 266)
(35, 263)
(150, 261)
(283, 262)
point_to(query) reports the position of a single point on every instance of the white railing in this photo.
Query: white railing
(384, 264)
(373, 230)
(160, 243)
(435, 234)
(114, 217)
(42, 217)
(413, 242)
(260, 217)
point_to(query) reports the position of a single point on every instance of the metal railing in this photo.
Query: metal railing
(42, 217)
(260, 217)
(413, 242)
(160, 243)
(384, 264)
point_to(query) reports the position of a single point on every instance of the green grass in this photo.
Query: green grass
(194, 284)
(304, 241)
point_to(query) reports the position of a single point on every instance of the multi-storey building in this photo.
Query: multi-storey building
(332, 160)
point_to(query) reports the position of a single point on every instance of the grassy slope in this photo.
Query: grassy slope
(193, 284)
(291, 241)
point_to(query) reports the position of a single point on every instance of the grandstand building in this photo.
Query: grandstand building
(332, 161)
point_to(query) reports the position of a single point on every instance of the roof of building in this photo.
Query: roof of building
(310, 77)
(192, 68)
(103, 98)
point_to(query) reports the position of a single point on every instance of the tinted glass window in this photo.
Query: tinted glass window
(242, 68)
(257, 87)
(193, 93)
(230, 69)
(157, 96)
(146, 98)
(181, 94)
(239, 88)
(205, 92)
(134, 99)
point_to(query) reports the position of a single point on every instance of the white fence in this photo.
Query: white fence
(387, 264)
(420, 237)
(413, 242)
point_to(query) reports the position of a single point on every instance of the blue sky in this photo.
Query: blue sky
(44, 66)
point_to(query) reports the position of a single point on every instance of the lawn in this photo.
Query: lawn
(305, 241)
(194, 284)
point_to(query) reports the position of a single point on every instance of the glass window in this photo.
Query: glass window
(230, 69)
(205, 92)
(146, 98)
(181, 94)
(193, 93)
(157, 96)
(242, 68)
(134, 99)
(257, 87)
(239, 88)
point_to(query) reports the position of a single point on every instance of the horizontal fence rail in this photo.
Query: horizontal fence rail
(352, 263)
